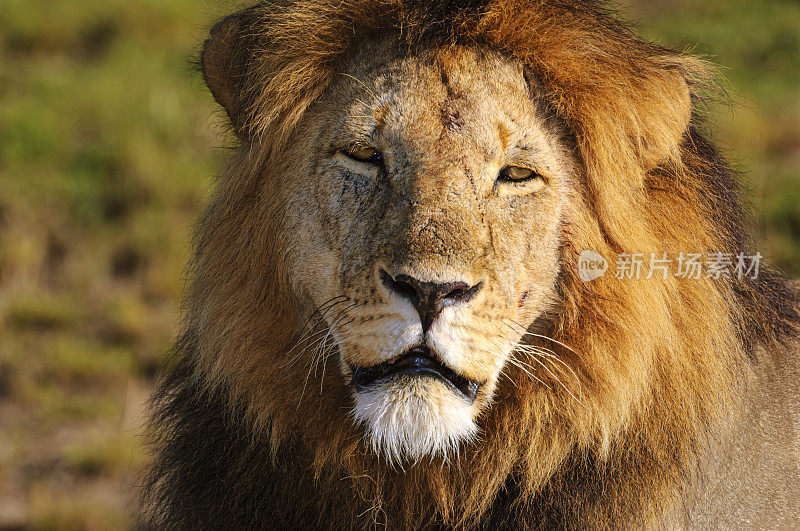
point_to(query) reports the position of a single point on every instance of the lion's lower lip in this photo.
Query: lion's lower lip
(419, 361)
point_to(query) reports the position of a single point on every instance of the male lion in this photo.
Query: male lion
(386, 323)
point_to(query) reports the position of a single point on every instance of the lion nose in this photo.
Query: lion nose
(429, 298)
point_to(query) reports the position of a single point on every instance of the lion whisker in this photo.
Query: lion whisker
(312, 365)
(557, 379)
(312, 338)
(535, 352)
(529, 333)
(310, 334)
(521, 365)
(552, 355)
(554, 358)
(320, 314)
(324, 357)
(510, 379)
(321, 317)
(320, 355)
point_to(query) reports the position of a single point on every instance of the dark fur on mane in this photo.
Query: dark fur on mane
(214, 468)
(210, 473)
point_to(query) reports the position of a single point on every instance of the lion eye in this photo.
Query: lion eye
(365, 155)
(517, 174)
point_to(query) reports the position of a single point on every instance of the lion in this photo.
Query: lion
(386, 322)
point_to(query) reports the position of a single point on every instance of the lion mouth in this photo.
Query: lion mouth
(418, 361)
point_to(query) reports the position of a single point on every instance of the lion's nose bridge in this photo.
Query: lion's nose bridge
(440, 244)
(441, 235)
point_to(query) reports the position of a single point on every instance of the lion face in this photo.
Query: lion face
(427, 222)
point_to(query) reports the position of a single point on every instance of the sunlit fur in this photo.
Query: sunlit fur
(594, 419)
(412, 422)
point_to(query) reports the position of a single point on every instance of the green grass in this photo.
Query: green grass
(108, 145)
(108, 142)
(757, 45)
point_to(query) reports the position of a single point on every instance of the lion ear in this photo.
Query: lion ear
(225, 62)
(664, 112)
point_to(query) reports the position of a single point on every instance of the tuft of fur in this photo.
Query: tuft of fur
(397, 423)
(237, 444)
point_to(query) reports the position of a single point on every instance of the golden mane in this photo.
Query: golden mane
(654, 359)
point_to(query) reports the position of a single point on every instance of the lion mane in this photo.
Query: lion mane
(238, 445)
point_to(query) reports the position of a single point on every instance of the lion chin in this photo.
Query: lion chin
(409, 418)
(387, 323)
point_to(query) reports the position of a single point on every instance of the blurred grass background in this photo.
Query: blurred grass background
(108, 146)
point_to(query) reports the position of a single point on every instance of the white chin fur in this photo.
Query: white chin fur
(411, 418)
